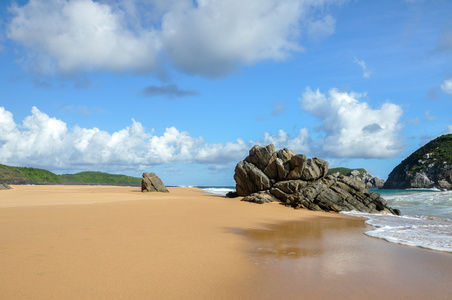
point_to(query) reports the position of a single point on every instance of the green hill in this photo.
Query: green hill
(99, 178)
(428, 167)
(20, 175)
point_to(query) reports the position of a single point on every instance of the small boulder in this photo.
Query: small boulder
(152, 183)
(260, 197)
(4, 186)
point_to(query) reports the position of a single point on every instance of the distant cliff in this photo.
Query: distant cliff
(428, 167)
(360, 175)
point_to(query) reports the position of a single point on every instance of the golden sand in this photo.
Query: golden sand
(93, 242)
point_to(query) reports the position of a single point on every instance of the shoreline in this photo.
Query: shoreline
(115, 242)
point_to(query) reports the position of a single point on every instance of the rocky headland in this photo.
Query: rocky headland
(293, 179)
(428, 167)
(361, 175)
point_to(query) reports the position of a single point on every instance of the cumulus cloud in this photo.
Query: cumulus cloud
(446, 86)
(362, 64)
(84, 148)
(208, 38)
(27, 144)
(351, 127)
(300, 143)
(167, 90)
(76, 35)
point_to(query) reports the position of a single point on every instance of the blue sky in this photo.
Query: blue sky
(186, 88)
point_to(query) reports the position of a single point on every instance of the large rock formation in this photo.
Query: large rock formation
(428, 167)
(267, 175)
(360, 175)
(152, 183)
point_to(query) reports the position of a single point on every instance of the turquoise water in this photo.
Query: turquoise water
(426, 219)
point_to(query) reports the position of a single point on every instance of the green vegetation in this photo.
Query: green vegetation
(345, 171)
(19, 175)
(99, 178)
(440, 148)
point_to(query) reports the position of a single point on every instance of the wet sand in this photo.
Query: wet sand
(89, 242)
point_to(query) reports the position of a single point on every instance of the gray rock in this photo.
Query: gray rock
(295, 181)
(315, 169)
(4, 186)
(260, 156)
(152, 183)
(297, 164)
(250, 179)
(260, 197)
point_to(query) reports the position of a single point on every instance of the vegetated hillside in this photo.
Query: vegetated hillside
(346, 171)
(428, 167)
(20, 175)
(99, 178)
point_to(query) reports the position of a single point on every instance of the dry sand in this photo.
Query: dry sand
(89, 242)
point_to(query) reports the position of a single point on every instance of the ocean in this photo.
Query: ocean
(425, 221)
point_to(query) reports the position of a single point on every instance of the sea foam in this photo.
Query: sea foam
(426, 219)
(425, 232)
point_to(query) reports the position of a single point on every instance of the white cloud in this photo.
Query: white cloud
(300, 144)
(42, 141)
(46, 142)
(210, 38)
(352, 128)
(362, 64)
(446, 86)
(69, 36)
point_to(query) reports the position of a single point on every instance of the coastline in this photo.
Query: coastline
(93, 242)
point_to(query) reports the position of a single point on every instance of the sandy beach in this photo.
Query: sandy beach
(97, 242)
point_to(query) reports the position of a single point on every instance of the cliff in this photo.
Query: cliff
(428, 167)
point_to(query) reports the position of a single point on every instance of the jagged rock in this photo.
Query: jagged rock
(4, 186)
(360, 175)
(260, 197)
(315, 169)
(260, 156)
(250, 179)
(297, 164)
(290, 178)
(152, 183)
(428, 167)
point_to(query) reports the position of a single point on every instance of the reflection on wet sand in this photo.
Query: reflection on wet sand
(295, 239)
